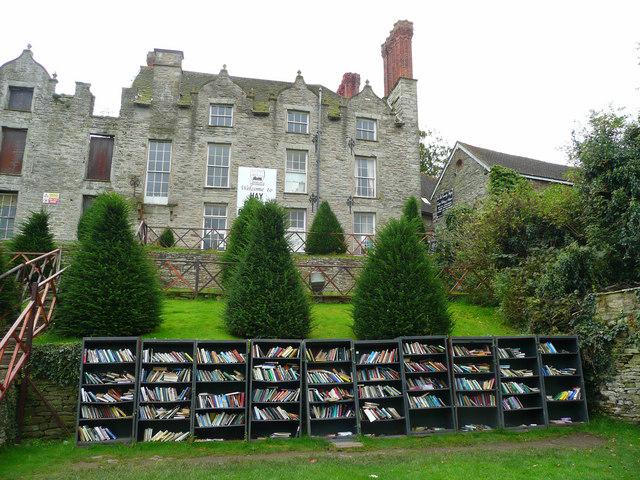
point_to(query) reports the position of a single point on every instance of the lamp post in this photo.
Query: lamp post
(350, 203)
(313, 199)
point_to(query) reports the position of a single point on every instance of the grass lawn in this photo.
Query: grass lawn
(603, 449)
(202, 319)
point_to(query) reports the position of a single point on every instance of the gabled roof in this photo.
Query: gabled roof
(427, 187)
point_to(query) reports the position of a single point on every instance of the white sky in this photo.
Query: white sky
(511, 75)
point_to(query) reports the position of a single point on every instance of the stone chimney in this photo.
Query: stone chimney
(350, 85)
(396, 55)
(165, 58)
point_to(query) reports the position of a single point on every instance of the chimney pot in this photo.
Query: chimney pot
(396, 55)
(350, 85)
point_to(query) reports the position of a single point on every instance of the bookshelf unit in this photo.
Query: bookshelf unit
(220, 375)
(464, 367)
(262, 363)
(567, 356)
(181, 397)
(518, 380)
(342, 363)
(383, 374)
(425, 382)
(94, 385)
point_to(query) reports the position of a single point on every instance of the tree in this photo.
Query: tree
(326, 235)
(34, 235)
(9, 294)
(433, 152)
(503, 179)
(266, 297)
(237, 240)
(411, 211)
(398, 293)
(166, 238)
(111, 288)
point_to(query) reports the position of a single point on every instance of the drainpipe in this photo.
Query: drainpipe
(318, 136)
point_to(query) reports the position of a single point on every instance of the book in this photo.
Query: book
(110, 396)
(426, 401)
(163, 436)
(164, 394)
(95, 434)
(507, 371)
(326, 376)
(219, 376)
(472, 384)
(548, 347)
(379, 356)
(517, 388)
(149, 356)
(378, 391)
(151, 412)
(566, 395)
(417, 348)
(481, 368)
(107, 355)
(333, 411)
(378, 373)
(92, 413)
(106, 378)
(223, 419)
(224, 400)
(475, 427)
(512, 403)
(462, 351)
(275, 395)
(373, 412)
(165, 375)
(275, 352)
(211, 356)
(333, 395)
(551, 371)
(272, 372)
(425, 366)
(338, 354)
(273, 413)
(425, 383)
(476, 400)
(511, 352)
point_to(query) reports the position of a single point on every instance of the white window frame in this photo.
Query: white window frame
(363, 238)
(225, 117)
(306, 124)
(214, 238)
(210, 165)
(157, 199)
(287, 170)
(357, 177)
(360, 131)
(296, 236)
(8, 200)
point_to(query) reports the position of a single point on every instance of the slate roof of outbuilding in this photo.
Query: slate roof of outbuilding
(427, 186)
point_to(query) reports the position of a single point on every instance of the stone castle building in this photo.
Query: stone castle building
(189, 147)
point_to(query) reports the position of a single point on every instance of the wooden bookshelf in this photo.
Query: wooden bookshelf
(204, 384)
(425, 419)
(333, 426)
(261, 428)
(468, 416)
(567, 357)
(146, 366)
(391, 426)
(122, 427)
(518, 380)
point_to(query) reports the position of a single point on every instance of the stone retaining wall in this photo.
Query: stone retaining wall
(38, 421)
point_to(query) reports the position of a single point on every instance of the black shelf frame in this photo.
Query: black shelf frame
(331, 426)
(265, 428)
(123, 428)
(174, 425)
(230, 432)
(436, 419)
(489, 416)
(380, 427)
(576, 409)
(534, 413)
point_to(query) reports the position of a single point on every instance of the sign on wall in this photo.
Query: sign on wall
(444, 202)
(50, 198)
(256, 182)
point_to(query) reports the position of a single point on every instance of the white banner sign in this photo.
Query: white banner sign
(51, 198)
(256, 182)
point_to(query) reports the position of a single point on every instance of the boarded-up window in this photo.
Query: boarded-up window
(12, 150)
(100, 153)
(20, 98)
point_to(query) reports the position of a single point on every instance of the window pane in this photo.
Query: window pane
(365, 177)
(365, 129)
(218, 165)
(296, 235)
(215, 224)
(8, 203)
(297, 122)
(20, 98)
(221, 115)
(158, 169)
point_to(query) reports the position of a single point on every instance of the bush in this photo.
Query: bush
(111, 288)
(34, 235)
(502, 179)
(325, 235)
(411, 211)
(57, 363)
(398, 292)
(9, 294)
(166, 238)
(237, 240)
(266, 297)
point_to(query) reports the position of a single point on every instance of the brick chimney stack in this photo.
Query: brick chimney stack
(396, 55)
(350, 85)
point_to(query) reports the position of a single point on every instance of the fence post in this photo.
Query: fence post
(197, 279)
(22, 399)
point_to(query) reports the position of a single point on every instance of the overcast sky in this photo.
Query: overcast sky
(512, 76)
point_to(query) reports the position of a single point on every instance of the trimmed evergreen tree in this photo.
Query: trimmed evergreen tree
(9, 294)
(166, 238)
(34, 235)
(266, 297)
(325, 235)
(411, 210)
(237, 240)
(111, 288)
(398, 293)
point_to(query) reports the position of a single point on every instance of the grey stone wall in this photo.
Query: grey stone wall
(165, 103)
(38, 422)
(620, 396)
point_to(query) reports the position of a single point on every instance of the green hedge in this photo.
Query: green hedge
(57, 363)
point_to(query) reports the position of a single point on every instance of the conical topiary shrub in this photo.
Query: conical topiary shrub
(34, 235)
(237, 240)
(410, 211)
(9, 294)
(111, 288)
(166, 238)
(325, 235)
(398, 293)
(266, 297)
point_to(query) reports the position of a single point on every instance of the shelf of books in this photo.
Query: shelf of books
(380, 385)
(332, 408)
(106, 405)
(521, 392)
(427, 392)
(165, 400)
(561, 369)
(222, 369)
(275, 389)
(473, 365)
